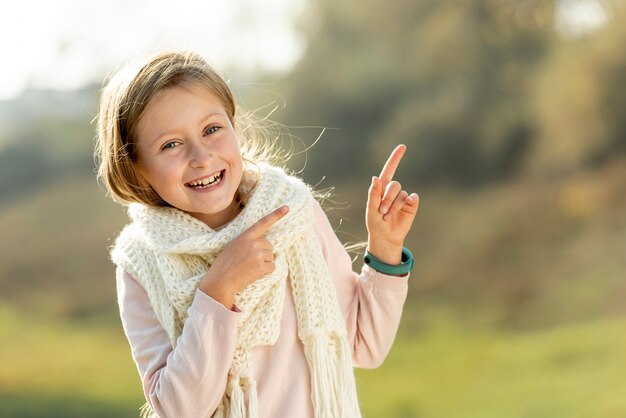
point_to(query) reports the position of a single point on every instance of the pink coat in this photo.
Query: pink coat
(189, 381)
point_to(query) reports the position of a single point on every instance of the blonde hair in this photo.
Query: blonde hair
(127, 95)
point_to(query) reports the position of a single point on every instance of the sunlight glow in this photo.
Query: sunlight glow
(574, 18)
(64, 44)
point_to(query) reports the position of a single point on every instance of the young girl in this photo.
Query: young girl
(235, 294)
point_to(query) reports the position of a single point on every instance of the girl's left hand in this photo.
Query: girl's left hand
(390, 212)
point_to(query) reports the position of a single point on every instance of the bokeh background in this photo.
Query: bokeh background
(514, 113)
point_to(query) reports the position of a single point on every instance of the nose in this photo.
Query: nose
(199, 154)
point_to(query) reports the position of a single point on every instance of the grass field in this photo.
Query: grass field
(516, 307)
(568, 371)
(577, 370)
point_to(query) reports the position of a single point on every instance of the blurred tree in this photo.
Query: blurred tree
(579, 101)
(448, 79)
(42, 150)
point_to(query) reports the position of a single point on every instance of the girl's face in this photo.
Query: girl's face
(187, 151)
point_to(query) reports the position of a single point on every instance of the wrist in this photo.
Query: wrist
(218, 291)
(387, 253)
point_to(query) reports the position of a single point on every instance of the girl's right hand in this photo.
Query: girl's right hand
(244, 260)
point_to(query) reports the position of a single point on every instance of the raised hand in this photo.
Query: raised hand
(390, 212)
(244, 260)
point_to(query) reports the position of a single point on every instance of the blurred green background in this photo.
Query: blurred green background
(514, 114)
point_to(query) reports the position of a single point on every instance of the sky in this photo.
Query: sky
(574, 18)
(64, 44)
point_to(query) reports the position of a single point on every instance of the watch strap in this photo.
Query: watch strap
(405, 266)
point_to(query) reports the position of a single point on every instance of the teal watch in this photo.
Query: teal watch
(406, 263)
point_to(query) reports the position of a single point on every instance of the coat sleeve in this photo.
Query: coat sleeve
(190, 380)
(371, 302)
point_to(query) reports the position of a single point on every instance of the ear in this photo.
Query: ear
(148, 193)
(140, 180)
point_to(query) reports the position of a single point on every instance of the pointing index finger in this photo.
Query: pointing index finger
(392, 163)
(262, 225)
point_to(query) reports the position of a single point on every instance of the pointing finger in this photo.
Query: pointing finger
(392, 164)
(262, 225)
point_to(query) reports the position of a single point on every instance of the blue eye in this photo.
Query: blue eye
(211, 130)
(171, 144)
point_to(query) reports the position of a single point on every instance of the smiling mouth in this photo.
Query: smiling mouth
(206, 182)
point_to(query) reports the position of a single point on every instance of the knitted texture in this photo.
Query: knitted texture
(168, 252)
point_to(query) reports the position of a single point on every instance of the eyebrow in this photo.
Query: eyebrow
(172, 132)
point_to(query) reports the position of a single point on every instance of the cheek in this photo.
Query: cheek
(231, 148)
(236, 166)
(156, 174)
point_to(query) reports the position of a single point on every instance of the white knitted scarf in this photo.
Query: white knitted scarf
(168, 252)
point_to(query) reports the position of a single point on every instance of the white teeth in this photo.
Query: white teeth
(206, 181)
